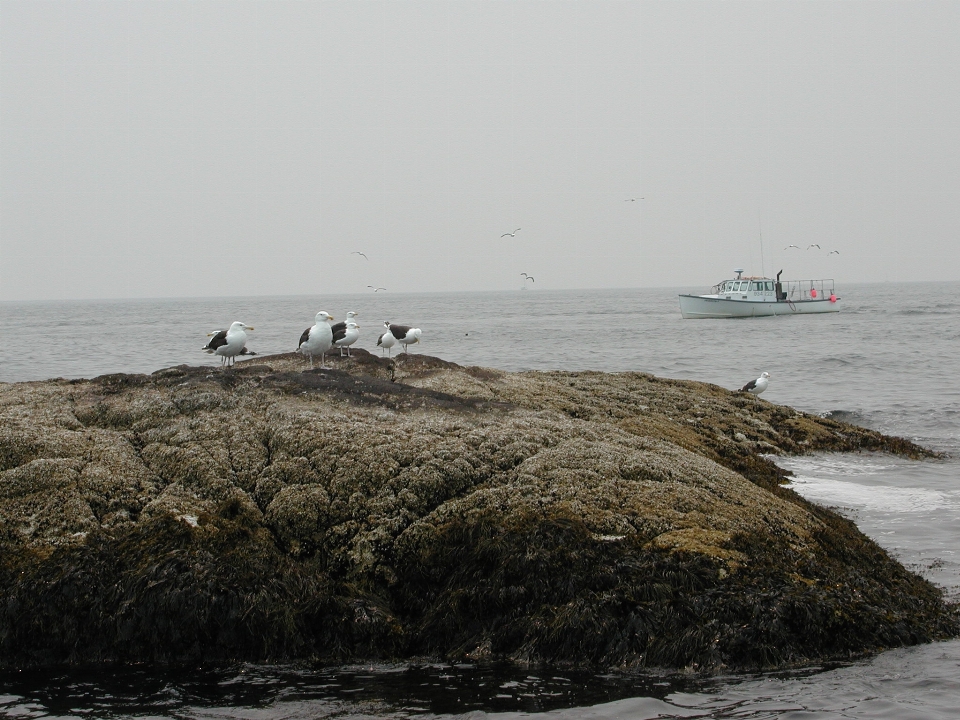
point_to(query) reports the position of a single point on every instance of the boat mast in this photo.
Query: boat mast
(763, 272)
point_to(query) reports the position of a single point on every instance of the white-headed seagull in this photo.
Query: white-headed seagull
(755, 387)
(346, 333)
(229, 343)
(402, 334)
(318, 339)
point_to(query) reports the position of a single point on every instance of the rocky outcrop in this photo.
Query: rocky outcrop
(412, 507)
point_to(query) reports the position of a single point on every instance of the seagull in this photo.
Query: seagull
(527, 277)
(350, 335)
(228, 343)
(755, 387)
(318, 339)
(346, 333)
(376, 289)
(513, 234)
(833, 252)
(813, 245)
(790, 246)
(356, 252)
(387, 340)
(403, 334)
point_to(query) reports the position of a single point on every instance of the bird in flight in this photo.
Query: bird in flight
(833, 252)
(527, 277)
(357, 252)
(813, 245)
(633, 199)
(376, 289)
(790, 246)
(513, 234)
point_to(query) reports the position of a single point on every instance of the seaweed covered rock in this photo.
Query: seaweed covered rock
(411, 507)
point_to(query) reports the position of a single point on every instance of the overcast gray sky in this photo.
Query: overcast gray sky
(162, 149)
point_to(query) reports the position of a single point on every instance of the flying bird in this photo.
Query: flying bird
(376, 289)
(228, 343)
(632, 199)
(513, 234)
(790, 246)
(755, 387)
(833, 252)
(318, 339)
(813, 245)
(356, 252)
(527, 277)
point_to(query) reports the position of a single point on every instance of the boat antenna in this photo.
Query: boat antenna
(763, 272)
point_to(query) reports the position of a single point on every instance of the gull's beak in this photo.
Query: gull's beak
(249, 328)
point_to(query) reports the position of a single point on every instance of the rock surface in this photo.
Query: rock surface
(412, 507)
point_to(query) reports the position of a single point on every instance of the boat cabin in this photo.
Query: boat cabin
(756, 289)
(751, 289)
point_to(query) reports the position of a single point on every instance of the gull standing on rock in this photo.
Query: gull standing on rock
(387, 340)
(755, 387)
(346, 333)
(228, 343)
(318, 339)
(403, 334)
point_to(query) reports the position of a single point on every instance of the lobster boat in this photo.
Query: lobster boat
(761, 296)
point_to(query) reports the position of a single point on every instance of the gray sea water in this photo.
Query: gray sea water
(889, 360)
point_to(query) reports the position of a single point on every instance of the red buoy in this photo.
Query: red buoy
(813, 292)
(833, 298)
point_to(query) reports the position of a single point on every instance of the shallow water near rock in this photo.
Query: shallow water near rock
(888, 361)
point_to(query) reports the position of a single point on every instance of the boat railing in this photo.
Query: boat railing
(807, 289)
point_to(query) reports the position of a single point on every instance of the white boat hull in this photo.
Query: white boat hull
(698, 306)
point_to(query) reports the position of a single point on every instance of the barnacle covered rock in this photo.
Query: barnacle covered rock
(410, 507)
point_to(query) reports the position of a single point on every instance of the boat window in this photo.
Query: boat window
(769, 284)
(740, 286)
(757, 286)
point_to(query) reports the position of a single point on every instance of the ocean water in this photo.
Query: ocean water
(889, 360)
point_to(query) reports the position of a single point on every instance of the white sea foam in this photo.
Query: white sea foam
(875, 498)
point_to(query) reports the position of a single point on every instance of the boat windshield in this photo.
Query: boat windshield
(745, 285)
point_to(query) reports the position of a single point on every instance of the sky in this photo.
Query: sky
(252, 147)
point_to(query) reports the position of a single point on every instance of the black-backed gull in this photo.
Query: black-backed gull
(318, 339)
(228, 343)
(402, 334)
(757, 386)
(346, 333)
